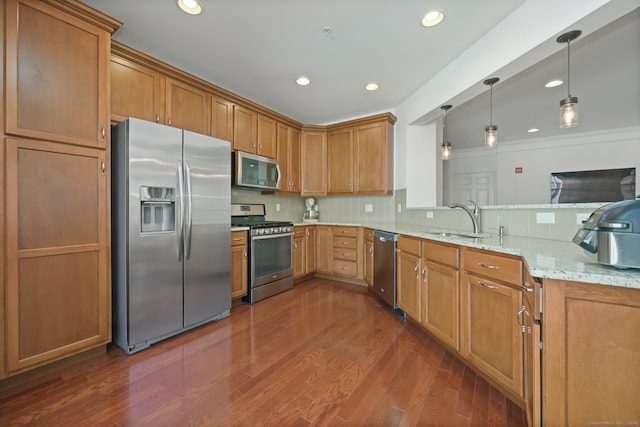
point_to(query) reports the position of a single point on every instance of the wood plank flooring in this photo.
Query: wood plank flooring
(324, 353)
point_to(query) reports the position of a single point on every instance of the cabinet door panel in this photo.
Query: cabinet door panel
(314, 156)
(57, 261)
(266, 137)
(239, 271)
(408, 282)
(441, 302)
(371, 158)
(492, 338)
(187, 107)
(340, 161)
(245, 129)
(310, 250)
(53, 59)
(221, 119)
(136, 91)
(293, 165)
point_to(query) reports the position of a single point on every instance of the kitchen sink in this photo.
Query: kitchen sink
(445, 233)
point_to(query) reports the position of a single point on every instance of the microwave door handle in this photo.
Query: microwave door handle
(189, 211)
(279, 175)
(179, 213)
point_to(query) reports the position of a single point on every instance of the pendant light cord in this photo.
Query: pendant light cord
(569, 68)
(491, 105)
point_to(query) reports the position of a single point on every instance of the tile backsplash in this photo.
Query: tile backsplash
(516, 220)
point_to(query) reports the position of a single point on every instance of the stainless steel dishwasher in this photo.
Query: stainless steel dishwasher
(384, 266)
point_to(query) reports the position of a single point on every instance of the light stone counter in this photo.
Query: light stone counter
(239, 228)
(546, 259)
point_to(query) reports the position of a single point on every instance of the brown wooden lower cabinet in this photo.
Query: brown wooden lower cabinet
(368, 256)
(58, 299)
(324, 254)
(491, 338)
(590, 354)
(408, 284)
(239, 266)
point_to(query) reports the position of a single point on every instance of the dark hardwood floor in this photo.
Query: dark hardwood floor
(324, 353)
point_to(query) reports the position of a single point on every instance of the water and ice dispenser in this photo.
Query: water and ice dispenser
(157, 210)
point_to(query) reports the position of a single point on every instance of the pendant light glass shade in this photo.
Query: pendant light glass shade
(569, 105)
(569, 112)
(446, 146)
(490, 136)
(446, 151)
(491, 130)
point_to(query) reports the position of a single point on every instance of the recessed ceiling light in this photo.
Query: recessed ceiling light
(553, 83)
(372, 86)
(432, 18)
(533, 130)
(303, 81)
(192, 7)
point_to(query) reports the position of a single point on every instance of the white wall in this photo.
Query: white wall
(580, 152)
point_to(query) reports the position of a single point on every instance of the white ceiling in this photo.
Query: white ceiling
(605, 76)
(257, 48)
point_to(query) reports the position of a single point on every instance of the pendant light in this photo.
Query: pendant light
(569, 105)
(446, 146)
(491, 130)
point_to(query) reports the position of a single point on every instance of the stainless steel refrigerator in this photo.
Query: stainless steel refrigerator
(171, 194)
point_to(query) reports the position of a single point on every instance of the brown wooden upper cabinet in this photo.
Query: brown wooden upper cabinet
(266, 136)
(136, 91)
(221, 118)
(187, 107)
(314, 170)
(340, 161)
(56, 59)
(288, 153)
(360, 156)
(245, 129)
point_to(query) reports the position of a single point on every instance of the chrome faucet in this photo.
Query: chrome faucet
(472, 214)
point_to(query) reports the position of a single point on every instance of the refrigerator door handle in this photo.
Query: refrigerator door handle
(189, 212)
(179, 213)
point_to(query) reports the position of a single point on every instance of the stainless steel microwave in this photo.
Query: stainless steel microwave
(255, 172)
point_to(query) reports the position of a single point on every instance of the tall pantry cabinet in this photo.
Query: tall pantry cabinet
(56, 190)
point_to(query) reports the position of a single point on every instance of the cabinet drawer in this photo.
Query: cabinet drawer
(345, 242)
(409, 245)
(345, 231)
(345, 268)
(496, 266)
(298, 231)
(368, 234)
(444, 254)
(345, 254)
(238, 238)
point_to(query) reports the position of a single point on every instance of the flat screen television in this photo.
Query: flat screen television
(607, 185)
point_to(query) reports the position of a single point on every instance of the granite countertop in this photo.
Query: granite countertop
(239, 228)
(546, 259)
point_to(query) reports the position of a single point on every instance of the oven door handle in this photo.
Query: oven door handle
(271, 236)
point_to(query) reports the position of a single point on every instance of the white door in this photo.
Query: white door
(477, 186)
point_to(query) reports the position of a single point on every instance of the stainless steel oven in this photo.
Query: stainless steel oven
(270, 251)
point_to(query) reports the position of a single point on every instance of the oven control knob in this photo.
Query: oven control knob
(268, 230)
(289, 229)
(260, 230)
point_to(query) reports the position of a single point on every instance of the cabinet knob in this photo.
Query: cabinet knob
(157, 117)
(103, 167)
(103, 132)
(169, 120)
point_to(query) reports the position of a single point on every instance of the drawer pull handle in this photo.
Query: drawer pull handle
(493, 267)
(527, 287)
(487, 286)
(237, 239)
(344, 254)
